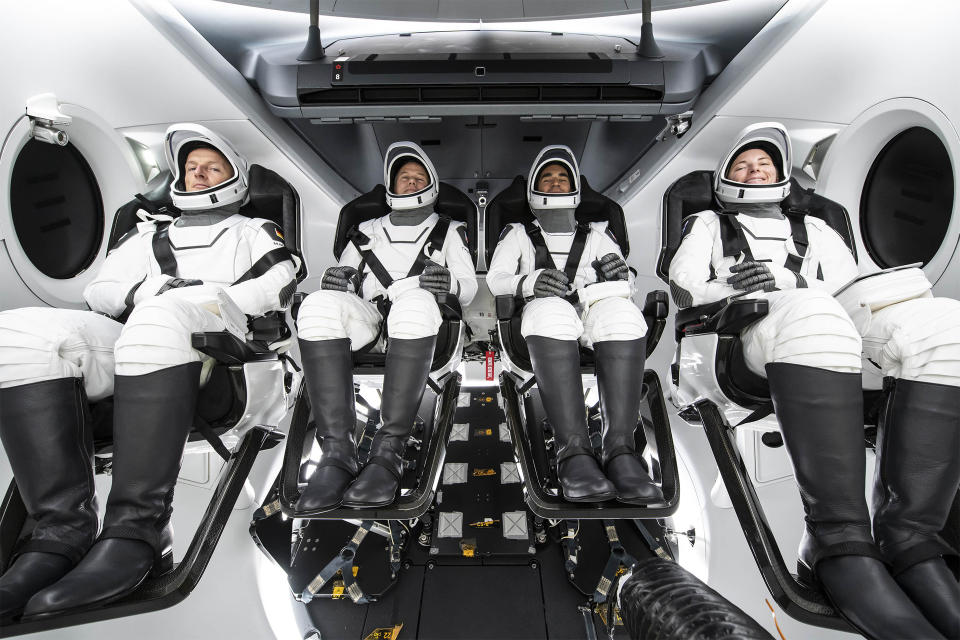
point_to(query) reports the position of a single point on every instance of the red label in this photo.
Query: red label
(489, 365)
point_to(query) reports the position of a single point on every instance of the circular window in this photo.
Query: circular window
(56, 208)
(907, 199)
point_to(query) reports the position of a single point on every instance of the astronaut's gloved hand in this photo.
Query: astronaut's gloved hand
(435, 278)
(750, 276)
(551, 282)
(176, 283)
(611, 267)
(338, 279)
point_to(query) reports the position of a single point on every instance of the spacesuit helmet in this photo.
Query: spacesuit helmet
(544, 201)
(773, 139)
(181, 139)
(398, 154)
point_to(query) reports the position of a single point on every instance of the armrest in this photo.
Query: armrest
(724, 316)
(506, 306)
(227, 348)
(655, 309)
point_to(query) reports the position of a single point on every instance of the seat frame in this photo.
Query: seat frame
(517, 381)
(443, 381)
(255, 371)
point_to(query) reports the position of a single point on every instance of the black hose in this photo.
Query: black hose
(663, 601)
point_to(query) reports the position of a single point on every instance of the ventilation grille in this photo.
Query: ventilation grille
(480, 94)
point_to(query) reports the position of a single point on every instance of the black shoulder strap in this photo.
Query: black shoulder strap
(369, 259)
(732, 237)
(266, 261)
(162, 250)
(541, 256)
(576, 251)
(798, 230)
(434, 242)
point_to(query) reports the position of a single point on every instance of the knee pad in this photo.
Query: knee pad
(36, 344)
(806, 327)
(550, 318)
(613, 319)
(334, 315)
(414, 314)
(158, 335)
(918, 340)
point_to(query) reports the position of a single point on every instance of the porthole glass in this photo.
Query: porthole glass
(57, 208)
(907, 199)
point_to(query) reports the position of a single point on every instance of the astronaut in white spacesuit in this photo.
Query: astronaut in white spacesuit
(809, 349)
(578, 289)
(167, 280)
(383, 295)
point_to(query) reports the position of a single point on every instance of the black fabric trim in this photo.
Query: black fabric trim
(286, 294)
(162, 250)
(264, 264)
(852, 548)
(819, 272)
(681, 297)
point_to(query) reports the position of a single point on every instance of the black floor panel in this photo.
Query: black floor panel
(465, 603)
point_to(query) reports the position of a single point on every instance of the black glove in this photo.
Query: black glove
(338, 278)
(752, 276)
(435, 278)
(551, 282)
(176, 283)
(611, 267)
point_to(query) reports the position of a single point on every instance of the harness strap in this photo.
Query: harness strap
(541, 255)
(369, 259)
(162, 250)
(618, 556)
(434, 242)
(576, 251)
(799, 232)
(732, 238)
(342, 562)
(264, 264)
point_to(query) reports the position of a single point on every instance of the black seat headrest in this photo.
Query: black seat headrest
(693, 193)
(269, 197)
(510, 205)
(451, 202)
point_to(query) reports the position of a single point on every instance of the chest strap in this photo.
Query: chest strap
(734, 240)
(369, 259)
(542, 258)
(163, 252)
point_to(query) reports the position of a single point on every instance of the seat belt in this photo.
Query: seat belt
(734, 240)
(798, 230)
(543, 259)
(368, 258)
(162, 250)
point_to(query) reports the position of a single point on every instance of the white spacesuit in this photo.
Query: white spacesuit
(576, 286)
(809, 347)
(203, 271)
(395, 266)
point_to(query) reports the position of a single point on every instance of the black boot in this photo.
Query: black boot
(917, 475)
(821, 419)
(46, 434)
(152, 416)
(556, 363)
(620, 381)
(407, 367)
(327, 366)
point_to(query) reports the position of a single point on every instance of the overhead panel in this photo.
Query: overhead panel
(423, 76)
